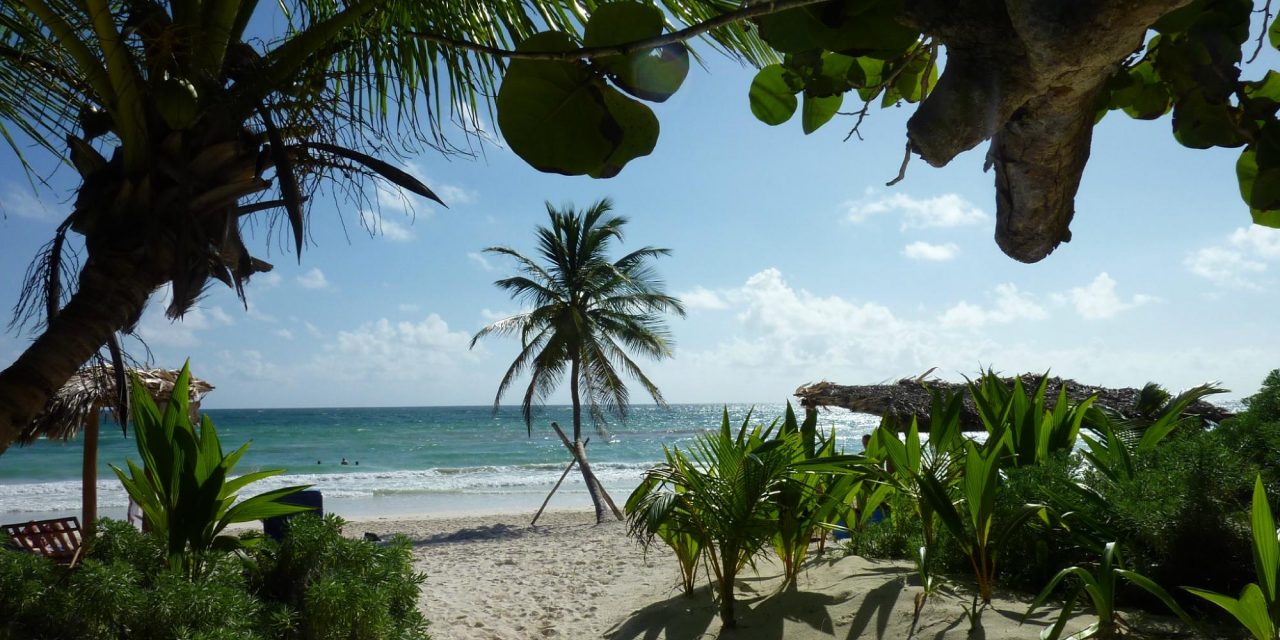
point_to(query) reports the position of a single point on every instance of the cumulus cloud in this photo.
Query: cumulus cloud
(1237, 262)
(313, 279)
(283, 333)
(312, 330)
(19, 201)
(408, 308)
(1098, 299)
(268, 280)
(1008, 305)
(944, 211)
(701, 298)
(931, 252)
(391, 350)
(396, 232)
(158, 331)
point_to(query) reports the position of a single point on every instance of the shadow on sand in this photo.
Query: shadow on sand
(678, 618)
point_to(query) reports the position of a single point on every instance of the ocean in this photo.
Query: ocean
(401, 461)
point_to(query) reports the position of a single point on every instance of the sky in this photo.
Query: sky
(795, 261)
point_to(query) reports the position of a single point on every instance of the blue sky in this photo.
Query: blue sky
(796, 262)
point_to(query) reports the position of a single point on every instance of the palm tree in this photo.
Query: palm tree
(186, 122)
(585, 313)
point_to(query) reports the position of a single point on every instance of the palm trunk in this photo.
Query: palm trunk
(113, 291)
(89, 479)
(593, 485)
(728, 573)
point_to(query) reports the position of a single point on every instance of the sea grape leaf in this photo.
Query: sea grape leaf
(638, 128)
(818, 110)
(1259, 186)
(773, 101)
(1180, 19)
(551, 112)
(654, 74)
(619, 22)
(1145, 97)
(1273, 34)
(872, 28)
(1199, 124)
(793, 30)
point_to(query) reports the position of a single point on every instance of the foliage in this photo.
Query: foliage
(1044, 546)
(585, 312)
(1100, 586)
(813, 500)
(720, 491)
(1264, 406)
(333, 587)
(124, 589)
(315, 584)
(1117, 437)
(1258, 607)
(1029, 432)
(185, 485)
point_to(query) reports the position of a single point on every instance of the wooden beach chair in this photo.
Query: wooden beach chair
(57, 539)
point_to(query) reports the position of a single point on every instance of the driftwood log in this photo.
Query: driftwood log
(910, 397)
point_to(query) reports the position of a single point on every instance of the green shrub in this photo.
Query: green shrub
(334, 587)
(314, 585)
(1041, 550)
(896, 537)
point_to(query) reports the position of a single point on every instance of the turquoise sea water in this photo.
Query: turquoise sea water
(410, 460)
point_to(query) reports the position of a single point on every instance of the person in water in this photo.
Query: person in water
(344, 461)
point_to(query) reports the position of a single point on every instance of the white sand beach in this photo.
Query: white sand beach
(495, 577)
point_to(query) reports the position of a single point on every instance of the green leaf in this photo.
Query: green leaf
(638, 128)
(655, 74)
(773, 102)
(1273, 34)
(1200, 124)
(1266, 549)
(553, 113)
(1250, 609)
(621, 22)
(818, 111)
(1260, 188)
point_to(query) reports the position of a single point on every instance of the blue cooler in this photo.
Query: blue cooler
(274, 527)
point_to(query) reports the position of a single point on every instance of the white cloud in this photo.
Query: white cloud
(283, 333)
(947, 210)
(259, 315)
(396, 232)
(19, 201)
(158, 331)
(390, 350)
(247, 365)
(1098, 299)
(931, 252)
(408, 308)
(313, 330)
(489, 315)
(1009, 305)
(268, 280)
(480, 260)
(452, 194)
(701, 298)
(1236, 263)
(313, 279)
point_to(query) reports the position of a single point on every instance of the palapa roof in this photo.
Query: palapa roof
(93, 388)
(910, 397)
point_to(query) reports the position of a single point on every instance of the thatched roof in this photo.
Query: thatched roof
(910, 397)
(93, 388)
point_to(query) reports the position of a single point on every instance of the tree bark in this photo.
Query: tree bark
(593, 486)
(728, 573)
(113, 291)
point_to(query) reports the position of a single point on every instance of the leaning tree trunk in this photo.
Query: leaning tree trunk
(580, 452)
(113, 291)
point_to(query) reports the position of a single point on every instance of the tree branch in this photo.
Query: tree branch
(688, 33)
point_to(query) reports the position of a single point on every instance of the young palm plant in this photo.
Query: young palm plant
(585, 312)
(185, 485)
(722, 492)
(1258, 606)
(1099, 585)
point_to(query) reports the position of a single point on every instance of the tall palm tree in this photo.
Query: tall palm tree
(585, 313)
(187, 119)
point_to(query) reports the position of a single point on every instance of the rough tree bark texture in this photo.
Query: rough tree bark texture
(113, 290)
(1025, 74)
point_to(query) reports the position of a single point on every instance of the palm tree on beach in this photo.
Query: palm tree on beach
(188, 120)
(585, 313)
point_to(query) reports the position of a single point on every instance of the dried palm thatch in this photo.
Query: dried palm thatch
(94, 388)
(910, 397)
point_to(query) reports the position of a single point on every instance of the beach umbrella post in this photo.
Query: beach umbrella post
(77, 409)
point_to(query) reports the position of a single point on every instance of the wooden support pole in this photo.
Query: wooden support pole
(564, 475)
(580, 454)
(89, 477)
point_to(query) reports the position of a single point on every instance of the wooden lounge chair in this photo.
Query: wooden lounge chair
(57, 539)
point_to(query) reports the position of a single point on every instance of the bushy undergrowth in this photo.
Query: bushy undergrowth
(314, 585)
